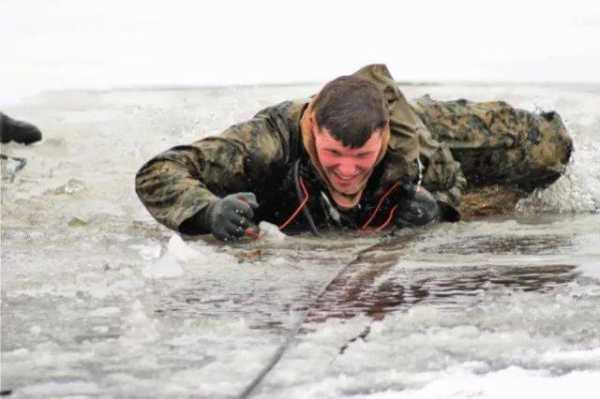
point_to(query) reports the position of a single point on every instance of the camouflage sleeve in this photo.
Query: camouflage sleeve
(181, 182)
(441, 173)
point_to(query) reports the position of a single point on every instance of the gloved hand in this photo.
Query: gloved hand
(417, 207)
(230, 217)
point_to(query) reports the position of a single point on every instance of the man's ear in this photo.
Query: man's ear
(312, 123)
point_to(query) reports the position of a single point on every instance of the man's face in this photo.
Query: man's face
(346, 168)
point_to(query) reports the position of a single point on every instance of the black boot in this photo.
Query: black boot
(20, 132)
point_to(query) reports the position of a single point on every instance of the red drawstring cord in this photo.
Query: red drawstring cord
(365, 226)
(389, 219)
(302, 205)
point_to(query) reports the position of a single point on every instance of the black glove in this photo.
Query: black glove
(416, 207)
(230, 217)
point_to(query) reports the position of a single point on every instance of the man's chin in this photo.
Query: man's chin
(347, 190)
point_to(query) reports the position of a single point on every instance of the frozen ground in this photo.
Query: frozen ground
(100, 301)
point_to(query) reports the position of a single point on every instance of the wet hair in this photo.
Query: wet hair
(351, 108)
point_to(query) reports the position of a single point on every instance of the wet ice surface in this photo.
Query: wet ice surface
(453, 312)
(99, 301)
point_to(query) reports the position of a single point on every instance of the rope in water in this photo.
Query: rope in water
(296, 328)
(249, 390)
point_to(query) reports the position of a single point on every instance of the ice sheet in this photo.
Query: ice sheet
(100, 301)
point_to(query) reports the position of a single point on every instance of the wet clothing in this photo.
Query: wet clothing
(266, 156)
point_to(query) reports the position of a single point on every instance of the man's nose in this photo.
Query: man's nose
(347, 168)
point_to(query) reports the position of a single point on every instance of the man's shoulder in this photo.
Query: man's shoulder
(289, 110)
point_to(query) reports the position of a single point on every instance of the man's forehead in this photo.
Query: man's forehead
(327, 139)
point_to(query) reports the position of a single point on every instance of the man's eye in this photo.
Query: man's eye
(334, 152)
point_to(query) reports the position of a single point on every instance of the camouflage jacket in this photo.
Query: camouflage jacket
(260, 156)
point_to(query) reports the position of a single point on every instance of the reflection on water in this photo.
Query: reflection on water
(524, 245)
(377, 282)
(267, 290)
(376, 294)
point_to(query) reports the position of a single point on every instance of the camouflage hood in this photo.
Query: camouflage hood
(403, 122)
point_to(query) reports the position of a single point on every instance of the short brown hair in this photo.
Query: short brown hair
(351, 108)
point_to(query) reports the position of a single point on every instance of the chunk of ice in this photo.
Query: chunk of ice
(270, 232)
(167, 266)
(71, 187)
(139, 327)
(147, 252)
(180, 250)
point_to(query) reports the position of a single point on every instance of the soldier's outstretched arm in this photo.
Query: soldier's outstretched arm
(442, 174)
(180, 184)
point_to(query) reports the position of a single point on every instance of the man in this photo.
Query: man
(355, 156)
